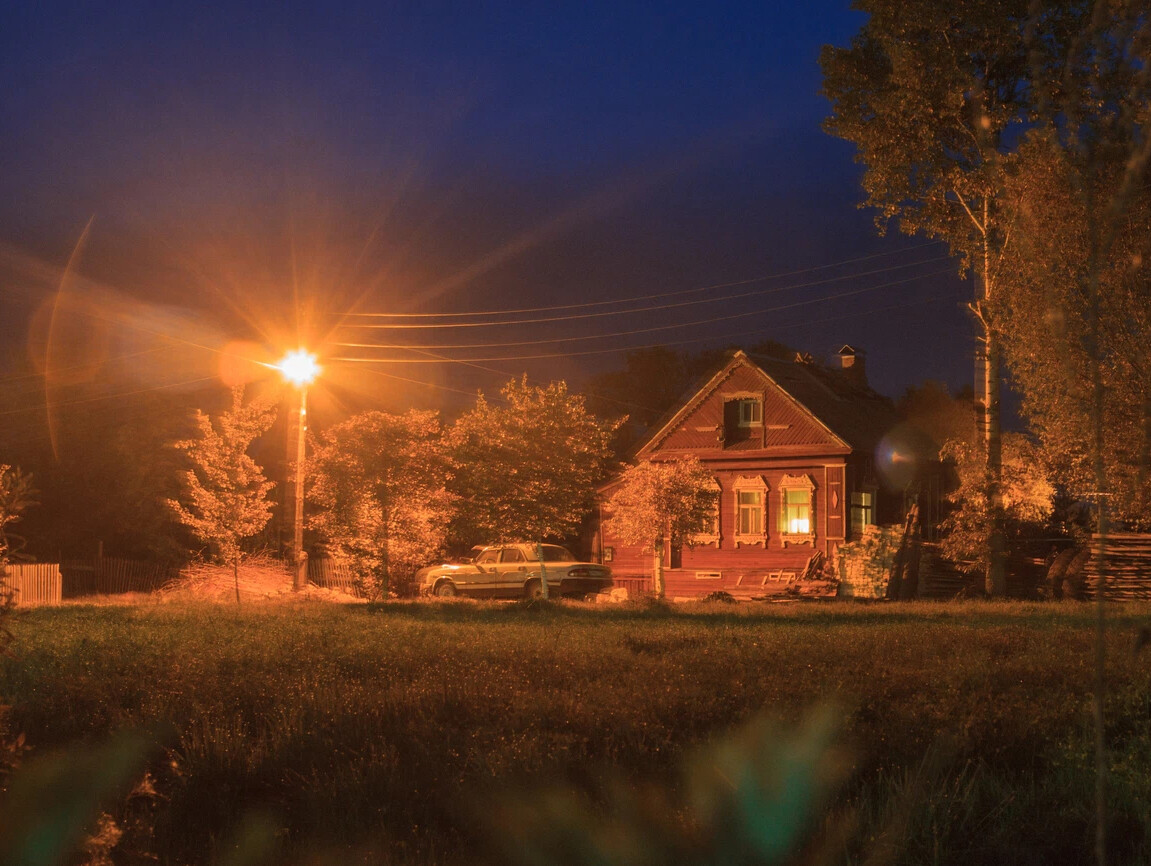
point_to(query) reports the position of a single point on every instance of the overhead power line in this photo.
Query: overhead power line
(637, 298)
(648, 309)
(629, 333)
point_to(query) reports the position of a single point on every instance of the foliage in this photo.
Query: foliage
(526, 470)
(1046, 321)
(295, 708)
(931, 409)
(16, 496)
(225, 493)
(1028, 498)
(666, 501)
(658, 503)
(379, 481)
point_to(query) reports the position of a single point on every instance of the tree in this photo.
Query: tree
(660, 503)
(225, 491)
(527, 469)
(933, 94)
(17, 495)
(379, 481)
(1028, 498)
(1046, 320)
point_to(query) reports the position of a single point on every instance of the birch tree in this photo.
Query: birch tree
(933, 94)
(225, 494)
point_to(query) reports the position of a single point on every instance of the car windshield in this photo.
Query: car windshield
(555, 553)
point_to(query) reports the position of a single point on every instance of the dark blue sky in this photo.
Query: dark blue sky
(245, 160)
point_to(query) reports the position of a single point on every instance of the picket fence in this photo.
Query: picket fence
(107, 575)
(33, 583)
(329, 574)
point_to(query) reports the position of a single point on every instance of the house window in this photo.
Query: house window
(750, 412)
(862, 510)
(797, 509)
(750, 510)
(710, 532)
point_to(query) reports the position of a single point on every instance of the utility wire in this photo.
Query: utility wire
(653, 329)
(636, 298)
(649, 309)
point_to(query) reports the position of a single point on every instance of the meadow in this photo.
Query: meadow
(484, 732)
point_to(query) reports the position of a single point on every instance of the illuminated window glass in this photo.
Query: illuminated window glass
(796, 507)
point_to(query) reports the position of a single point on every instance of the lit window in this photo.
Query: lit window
(862, 510)
(796, 512)
(750, 510)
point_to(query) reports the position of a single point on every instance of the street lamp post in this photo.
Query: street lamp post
(299, 368)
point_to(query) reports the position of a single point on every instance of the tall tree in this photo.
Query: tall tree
(657, 504)
(527, 469)
(1046, 319)
(379, 481)
(934, 95)
(225, 492)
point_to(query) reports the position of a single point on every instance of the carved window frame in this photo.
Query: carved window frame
(796, 482)
(712, 535)
(757, 484)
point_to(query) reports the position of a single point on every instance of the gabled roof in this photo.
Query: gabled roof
(849, 411)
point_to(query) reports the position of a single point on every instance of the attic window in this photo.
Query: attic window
(750, 412)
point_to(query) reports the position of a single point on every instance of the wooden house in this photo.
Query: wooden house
(791, 448)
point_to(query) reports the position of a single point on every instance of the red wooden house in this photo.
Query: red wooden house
(791, 446)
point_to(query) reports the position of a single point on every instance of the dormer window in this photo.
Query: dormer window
(742, 413)
(750, 412)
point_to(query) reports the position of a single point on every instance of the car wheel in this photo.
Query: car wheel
(533, 590)
(446, 589)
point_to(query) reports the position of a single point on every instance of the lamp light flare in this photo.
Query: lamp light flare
(299, 367)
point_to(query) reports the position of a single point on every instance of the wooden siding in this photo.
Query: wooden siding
(33, 583)
(787, 427)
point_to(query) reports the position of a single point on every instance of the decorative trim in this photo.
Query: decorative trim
(713, 537)
(753, 482)
(798, 482)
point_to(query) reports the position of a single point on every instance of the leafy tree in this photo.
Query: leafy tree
(1028, 498)
(225, 492)
(933, 94)
(16, 496)
(379, 481)
(1046, 319)
(661, 503)
(932, 409)
(526, 469)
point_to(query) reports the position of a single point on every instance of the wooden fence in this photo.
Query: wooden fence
(33, 584)
(329, 574)
(111, 576)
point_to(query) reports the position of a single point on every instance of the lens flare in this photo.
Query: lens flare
(299, 367)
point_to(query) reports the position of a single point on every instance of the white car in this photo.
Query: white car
(513, 571)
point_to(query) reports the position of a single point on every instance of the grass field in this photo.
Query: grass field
(392, 733)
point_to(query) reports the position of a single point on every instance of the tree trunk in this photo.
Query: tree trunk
(236, 578)
(657, 569)
(989, 433)
(543, 570)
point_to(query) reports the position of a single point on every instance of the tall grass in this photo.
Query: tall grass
(388, 728)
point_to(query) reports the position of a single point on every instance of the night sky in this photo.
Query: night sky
(258, 172)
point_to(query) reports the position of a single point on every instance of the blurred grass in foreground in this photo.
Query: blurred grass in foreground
(422, 732)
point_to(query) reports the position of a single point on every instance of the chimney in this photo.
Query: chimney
(853, 363)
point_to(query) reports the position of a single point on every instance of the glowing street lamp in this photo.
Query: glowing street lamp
(299, 368)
